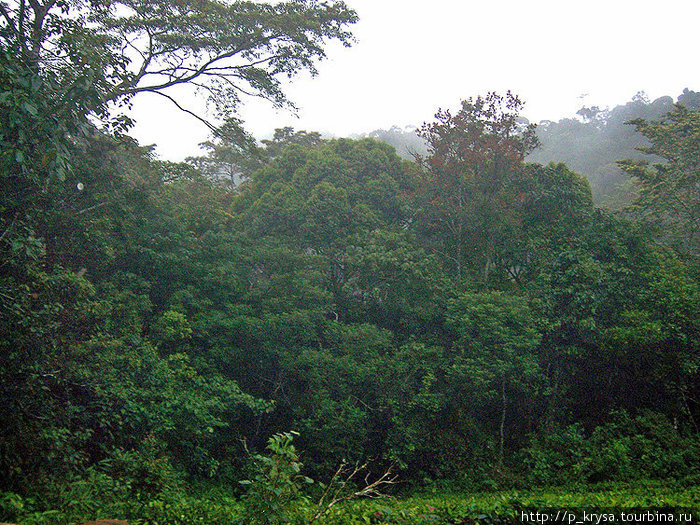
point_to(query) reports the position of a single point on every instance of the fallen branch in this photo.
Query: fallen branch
(336, 493)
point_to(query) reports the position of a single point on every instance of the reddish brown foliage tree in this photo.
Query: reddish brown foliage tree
(471, 189)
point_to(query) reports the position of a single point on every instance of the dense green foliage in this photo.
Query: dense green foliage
(468, 318)
(669, 190)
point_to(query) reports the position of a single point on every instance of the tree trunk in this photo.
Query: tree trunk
(490, 250)
(503, 423)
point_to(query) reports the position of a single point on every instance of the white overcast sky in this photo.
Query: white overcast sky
(412, 57)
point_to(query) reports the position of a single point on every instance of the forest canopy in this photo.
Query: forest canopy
(469, 316)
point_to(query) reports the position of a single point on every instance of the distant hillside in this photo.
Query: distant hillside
(404, 139)
(590, 143)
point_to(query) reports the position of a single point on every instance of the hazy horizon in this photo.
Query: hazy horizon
(410, 60)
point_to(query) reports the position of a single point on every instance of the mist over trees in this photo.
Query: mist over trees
(406, 141)
(590, 143)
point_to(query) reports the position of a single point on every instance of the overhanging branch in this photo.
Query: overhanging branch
(204, 121)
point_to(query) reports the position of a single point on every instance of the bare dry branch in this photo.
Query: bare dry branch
(208, 124)
(341, 491)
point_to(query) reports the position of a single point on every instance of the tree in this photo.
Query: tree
(228, 50)
(497, 338)
(557, 205)
(317, 203)
(285, 137)
(670, 190)
(617, 319)
(468, 196)
(233, 156)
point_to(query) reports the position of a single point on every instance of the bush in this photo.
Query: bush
(648, 446)
(555, 457)
(274, 494)
(627, 448)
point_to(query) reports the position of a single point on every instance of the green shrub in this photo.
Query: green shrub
(555, 457)
(647, 446)
(274, 494)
